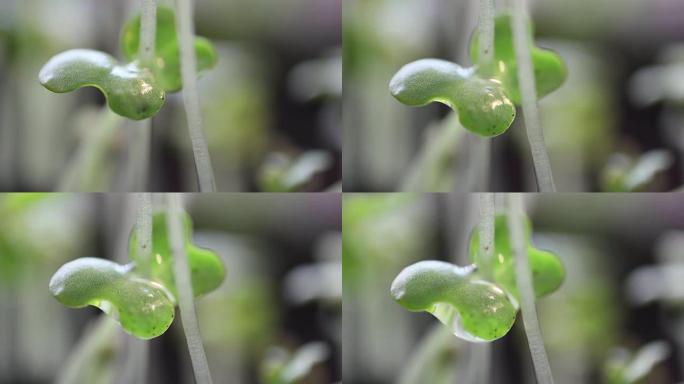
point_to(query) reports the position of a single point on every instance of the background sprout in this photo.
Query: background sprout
(142, 307)
(130, 90)
(206, 269)
(472, 308)
(284, 173)
(549, 70)
(284, 367)
(625, 173)
(483, 105)
(547, 270)
(626, 367)
(166, 63)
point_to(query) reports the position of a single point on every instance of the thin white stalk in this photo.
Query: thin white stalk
(528, 93)
(186, 303)
(143, 232)
(486, 33)
(148, 30)
(486, 232)
(200, 149)
(516, 226)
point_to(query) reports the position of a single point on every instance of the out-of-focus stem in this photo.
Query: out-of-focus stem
(186, 303)
(143, 231)
(516, 226)
(200, 149)
(528, 93)
(486, 33)
(85, 166)
(148, 30)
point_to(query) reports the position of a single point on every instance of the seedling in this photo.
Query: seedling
(143, 305)
(474, 309)
(547, 270)
(159, 61)
(510, 71)
(465, 301)
(135, 89)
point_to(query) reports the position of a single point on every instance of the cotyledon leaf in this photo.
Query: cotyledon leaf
(482, 104)
(131, 91)
(206, 268)
(547, 270)
(166, 66)
(142, 307)
(473, 309)
(549, 69)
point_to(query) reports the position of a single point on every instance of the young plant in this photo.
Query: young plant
(157, 63)
(484, 96)
(141, 295)
(479, 302)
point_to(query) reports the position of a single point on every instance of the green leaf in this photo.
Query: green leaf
(166, 66)
(548, 272)
(549, 70)
(142, 307)
(483, 105)
(474, 309)
(206, 268)
(131, 91)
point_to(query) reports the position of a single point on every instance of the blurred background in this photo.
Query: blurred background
(616, 319)
(615, 125)
(278, 310)
(271, 107)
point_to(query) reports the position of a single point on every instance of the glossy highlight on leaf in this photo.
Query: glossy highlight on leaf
(473, 309)
(483, 105)
(166, 66)
(131, 91)
(549, 69)
(206, 268)
(547, 270)
(142, 307)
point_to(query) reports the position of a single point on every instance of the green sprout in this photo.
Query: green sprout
(548, 272)
(549, 70)
(206, 269)
(144, 308)
(141, 295)
(166, 66)
(136, 89)
(483, 96)
(474, 309)
(483, 106)
(130, 90)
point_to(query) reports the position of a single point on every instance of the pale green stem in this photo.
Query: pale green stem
(200, 149)
(528, 93)
(137, 165)
(85, 166)
(185, 298)
(438, 339)
(426, 173)
(516, 226)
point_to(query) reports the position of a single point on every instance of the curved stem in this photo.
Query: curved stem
(528, 93)
(185, 298)
(516, 227)
(200, 149)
